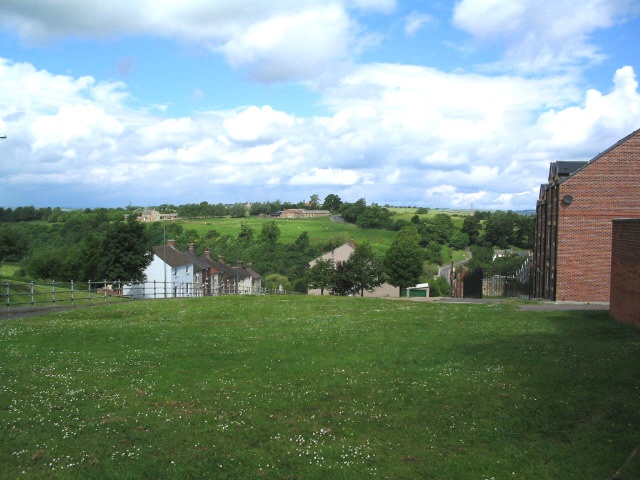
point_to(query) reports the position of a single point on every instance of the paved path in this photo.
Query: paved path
(445, 272)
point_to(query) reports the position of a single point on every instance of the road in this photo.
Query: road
(445, 272)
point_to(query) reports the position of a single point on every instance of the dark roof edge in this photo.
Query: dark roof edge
(601, 154)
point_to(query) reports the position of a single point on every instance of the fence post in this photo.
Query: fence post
(104, 290)
(53, 291)
(89, 284)
(8, 295)
(31, 292)
(72, 292)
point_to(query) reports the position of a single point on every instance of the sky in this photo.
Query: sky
(434, 103)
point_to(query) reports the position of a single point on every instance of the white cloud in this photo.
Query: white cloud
(416, 21)
(410, 135)
(599, 116)
(541, 35)
(73, 123)
(258, 125)
(274, 41)
(326, 176)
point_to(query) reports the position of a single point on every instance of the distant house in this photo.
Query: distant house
(574, 215)
(301, 213)
(342, 254)
(151, 215)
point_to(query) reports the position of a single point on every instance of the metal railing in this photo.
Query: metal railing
(28, 295)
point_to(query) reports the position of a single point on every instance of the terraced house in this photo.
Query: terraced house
(175, 273)
(574, 218)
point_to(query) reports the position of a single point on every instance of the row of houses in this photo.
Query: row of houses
(301, 213)
(151, 215)
(175, 273)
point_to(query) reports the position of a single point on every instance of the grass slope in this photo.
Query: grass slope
(320, 230)
(318, 387)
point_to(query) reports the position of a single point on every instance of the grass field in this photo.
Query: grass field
(320, 230)
(318, 388)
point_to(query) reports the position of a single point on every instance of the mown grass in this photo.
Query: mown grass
(318, 387)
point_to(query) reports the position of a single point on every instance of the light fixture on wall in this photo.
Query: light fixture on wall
(567, 199)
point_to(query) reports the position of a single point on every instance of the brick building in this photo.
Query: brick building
(625, 271)
(574, 214)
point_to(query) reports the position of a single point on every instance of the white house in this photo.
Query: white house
(172, 273)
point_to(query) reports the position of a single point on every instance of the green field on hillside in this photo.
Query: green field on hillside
(320, 230)
(318, 388)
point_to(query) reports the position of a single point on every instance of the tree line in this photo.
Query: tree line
(86, 244)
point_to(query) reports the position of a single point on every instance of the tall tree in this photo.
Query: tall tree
(321, 275)
(404, 259)
(314, 201)
(270, 233)
(125, 252)
(471, 226)
(365, 268)
(343, 279)
(332, 202)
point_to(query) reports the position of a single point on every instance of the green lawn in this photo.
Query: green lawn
(318, 388)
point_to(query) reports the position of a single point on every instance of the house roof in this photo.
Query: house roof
(560, 171)
(601, 154)
(198, 263)
(338, 254)
(171, 256)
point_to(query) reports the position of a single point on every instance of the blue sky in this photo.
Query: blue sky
(429, 103)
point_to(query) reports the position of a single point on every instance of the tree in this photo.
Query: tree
(458, 240)
(332, 202)
(343, 280)
(125, 252)
(238, 210)
(270, 233)
(351, 211)
(321, 275)
(471, 226)
(13, 245)
(274, 281)
(365, 269)
(440, 288)
(375, 216)
(500, 228)
(245, 235)
(403, 261)
(314, 201)
(441, 226)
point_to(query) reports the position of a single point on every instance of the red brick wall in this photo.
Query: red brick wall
(625, 272)
(606, 189)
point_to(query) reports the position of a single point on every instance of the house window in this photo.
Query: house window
(186, 270)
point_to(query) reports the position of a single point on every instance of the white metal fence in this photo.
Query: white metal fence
(19, 295)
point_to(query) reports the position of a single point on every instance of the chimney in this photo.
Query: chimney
(171, 243)
(192, 248)
(240, 263)
(220, 258)
(250, 265)
(207, 254)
